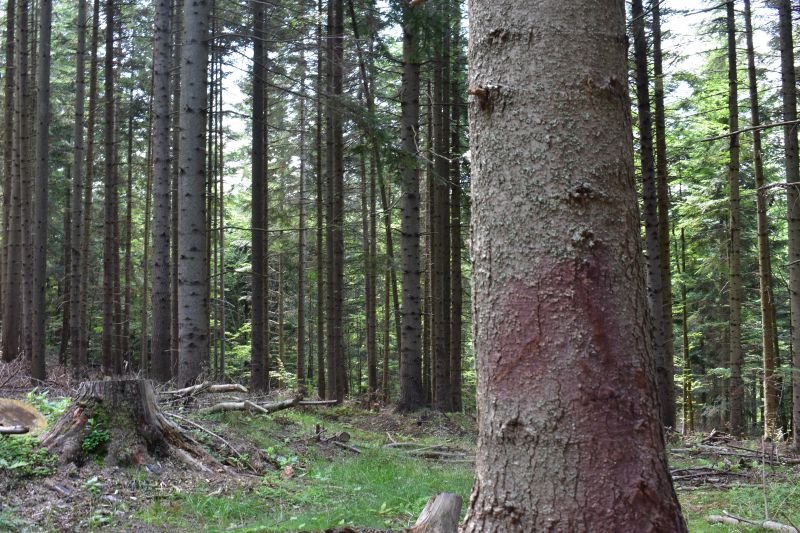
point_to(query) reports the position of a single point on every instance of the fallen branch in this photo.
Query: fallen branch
(737, 521)
(250, 406)
(13, 430)
(207, 387)
(317, 402)
(346, 446)
(219, 438)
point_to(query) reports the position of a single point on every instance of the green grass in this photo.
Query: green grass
(379, 488)
(9, 521)
(745, 502)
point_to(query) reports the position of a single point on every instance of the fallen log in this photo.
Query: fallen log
(250, 406)
(207, 387)
(14, 430)
(732, 520)
(440, 515)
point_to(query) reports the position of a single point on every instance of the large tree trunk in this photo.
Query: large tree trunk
(566, 384)
(119, 422)
(258, 372)
(764, 260)
(734, 229)
(411, 393)
(192, 282)
(177, 37)
(789, 93)
(301, 240)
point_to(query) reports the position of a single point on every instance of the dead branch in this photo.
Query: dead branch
(250, 406)
(751, 128)
(13, 430)
(346, 446)
(737, 521)
(209, 432)
(317, 402)
(207, 387)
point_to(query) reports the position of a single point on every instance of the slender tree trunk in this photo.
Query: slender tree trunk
(566, 382)
(321, 388)
(789, 94)
(688, 411)
(337, 156)
(456, 286)
(8, 145)
(161, 351)
(192, 291)
(25, 154)
(82, 359)
(764, 260)
(109, 201)
(77, 189)
(259, 377)
(654, 270)
(411, 394)
(41, 185)
(177, 32)
(301, 240)
(128, 291)
(27, 66)
(145, 360)
(65, 284)
(734, 228)
(12, 269)
(662, 191)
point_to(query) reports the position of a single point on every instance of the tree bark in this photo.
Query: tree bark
(411, 393)
(662, 191)
(301, 240)
(192, 282)
(161, 351)
(456, 285)
(734, 229)
(788, 90)
(321, 274)
(41, 186)
(566, 383)
(259, 378)
(764, 260)
(12, 268)
(110, 253)
(81, 360)
(77, 190)
(650, 204)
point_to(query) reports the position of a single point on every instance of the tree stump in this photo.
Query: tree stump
(120, 422)
(440, 515)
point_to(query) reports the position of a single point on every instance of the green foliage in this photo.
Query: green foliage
(746, 502)
(96, 440)
(51, 409)
(22, 457)
(9, 521)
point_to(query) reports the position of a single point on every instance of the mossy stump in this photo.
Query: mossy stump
(119, 422)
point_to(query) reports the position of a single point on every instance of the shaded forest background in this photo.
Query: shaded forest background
(319, 122)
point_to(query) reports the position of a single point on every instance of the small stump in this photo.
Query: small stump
(120, 422)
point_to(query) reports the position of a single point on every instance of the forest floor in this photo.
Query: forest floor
(317, 468)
